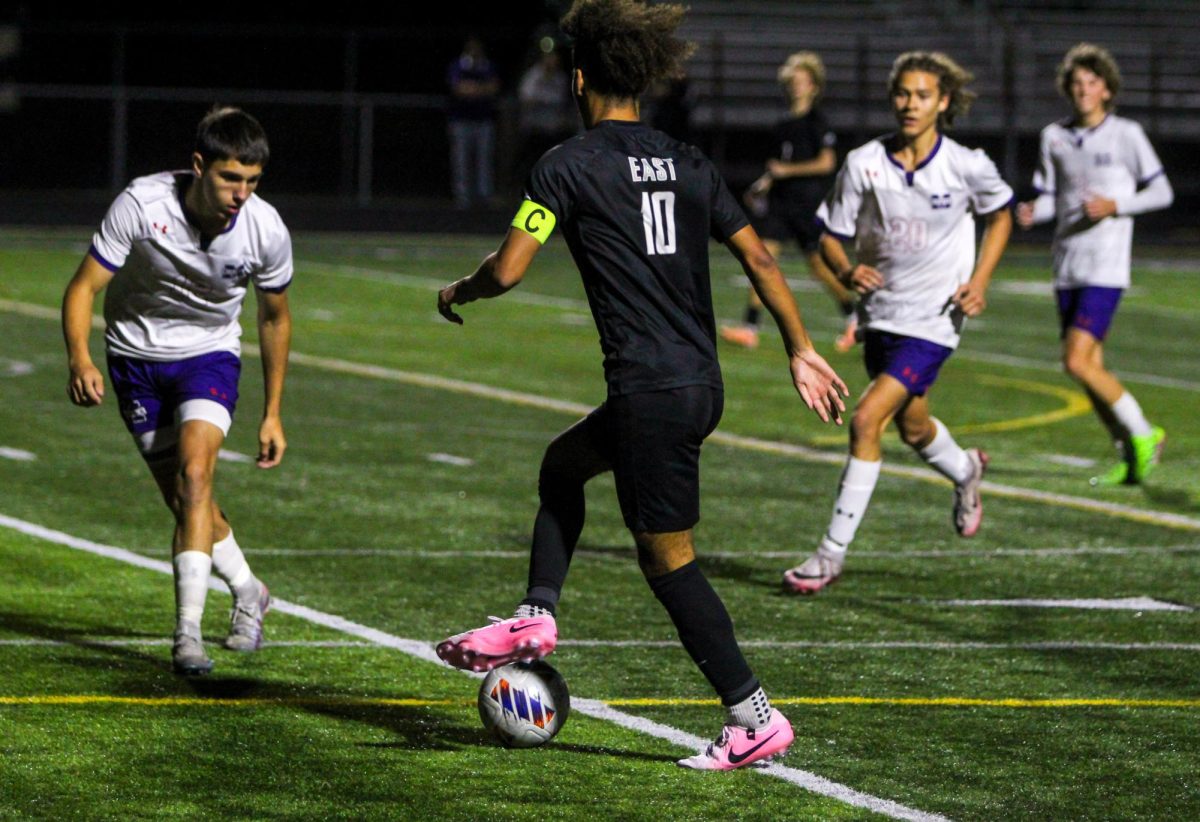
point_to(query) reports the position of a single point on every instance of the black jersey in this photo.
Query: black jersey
(637, 209)
(798, 139)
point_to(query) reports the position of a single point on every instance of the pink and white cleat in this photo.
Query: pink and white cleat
(968, 506)
(738, 747)
(503, 642)
(818, 571)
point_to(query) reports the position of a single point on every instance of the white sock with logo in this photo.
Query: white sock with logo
(191, 585)
(229, 564)
(752, 712)
(1129, 413)
(945, 456)
(854, 493)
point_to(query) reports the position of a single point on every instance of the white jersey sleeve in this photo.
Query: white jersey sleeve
(1154, 190)
(274, 273)
(987, 190)
(838, 213)
(114, 240)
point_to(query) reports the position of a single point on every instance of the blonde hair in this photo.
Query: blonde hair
(808, 61)
(952, 80)
(1095, 59)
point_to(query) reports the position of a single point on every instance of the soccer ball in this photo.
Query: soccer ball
(524, 704)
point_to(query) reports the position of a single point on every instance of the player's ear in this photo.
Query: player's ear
(944, 103)
(197, 164)
(577, 82)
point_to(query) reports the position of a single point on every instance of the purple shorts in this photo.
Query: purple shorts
(911, 360)
(1090, 308)
(150, 393)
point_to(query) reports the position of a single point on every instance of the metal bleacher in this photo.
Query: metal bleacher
(1012, 46)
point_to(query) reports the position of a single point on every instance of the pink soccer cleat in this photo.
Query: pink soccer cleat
(968, 507)
(503, 642)
(738, 747)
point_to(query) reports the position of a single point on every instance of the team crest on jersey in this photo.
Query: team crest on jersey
(236, 272)
(1102, 159)
(939, 201)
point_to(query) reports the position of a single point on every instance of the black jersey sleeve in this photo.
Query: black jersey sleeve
(728, 218)
(550, 183)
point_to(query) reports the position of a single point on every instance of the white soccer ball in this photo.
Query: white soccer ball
(524, 704)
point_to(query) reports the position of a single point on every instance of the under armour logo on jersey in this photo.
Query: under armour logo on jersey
(236, 271)
(938, 201)
(162, 229)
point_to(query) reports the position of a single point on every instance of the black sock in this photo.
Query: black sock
(752, 316)
(706, 631)
(555, 533)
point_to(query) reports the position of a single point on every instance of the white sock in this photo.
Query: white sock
(1129, 414)
(854, 492)
(229, 564)
(945, 456)
(752, 712)
(191, 585)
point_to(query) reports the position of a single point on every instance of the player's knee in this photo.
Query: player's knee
(195, 483)
(864, 426)
(915, 436)
(556, 485)
(1076, 364)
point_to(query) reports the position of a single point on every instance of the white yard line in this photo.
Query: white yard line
(1118, 604)
(109, 642)
(423, 650)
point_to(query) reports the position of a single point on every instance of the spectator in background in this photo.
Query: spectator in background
(547, 115)
(471, 121)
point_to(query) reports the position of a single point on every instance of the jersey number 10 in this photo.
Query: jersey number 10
(658, 219)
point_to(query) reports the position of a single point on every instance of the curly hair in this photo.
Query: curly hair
(622, 46)
(1095, 59)
(808, 61)
(228, 133)
(952, 80)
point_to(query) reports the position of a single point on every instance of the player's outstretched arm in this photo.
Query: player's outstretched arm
(818, 385)
(971, 297)
(85, 383)
(499, 272)
(275, 340)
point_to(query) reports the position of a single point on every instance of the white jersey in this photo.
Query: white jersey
(1113, 160)
(916, 228)
(170, 297)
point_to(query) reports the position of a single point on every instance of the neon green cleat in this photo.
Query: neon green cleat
(1117, 475)
(1146, 451)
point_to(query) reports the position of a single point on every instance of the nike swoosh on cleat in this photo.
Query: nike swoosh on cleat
(735, 757)
(514, 629)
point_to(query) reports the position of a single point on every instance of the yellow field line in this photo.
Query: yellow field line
(1074, 404)
(646, 702)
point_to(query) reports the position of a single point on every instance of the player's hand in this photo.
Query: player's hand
(970, 298)
(1098, 208)
(864, 279)
(86, 385)
(271, 443)
(1025, 215)
(446, 298)
(777, 169)
(819, 385)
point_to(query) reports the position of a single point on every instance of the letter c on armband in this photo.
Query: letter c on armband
(535, 220)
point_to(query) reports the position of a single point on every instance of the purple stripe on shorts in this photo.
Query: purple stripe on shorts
(1090, 308)
(912, 361)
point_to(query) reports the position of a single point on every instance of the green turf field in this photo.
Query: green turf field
(918, 685)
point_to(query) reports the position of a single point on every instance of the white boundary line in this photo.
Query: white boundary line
(422, 650)
(525, 399)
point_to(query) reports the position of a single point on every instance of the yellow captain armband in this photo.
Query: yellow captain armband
(535, 220)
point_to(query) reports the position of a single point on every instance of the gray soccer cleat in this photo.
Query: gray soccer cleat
(188, 655)
(246, 622)
(968, 506)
